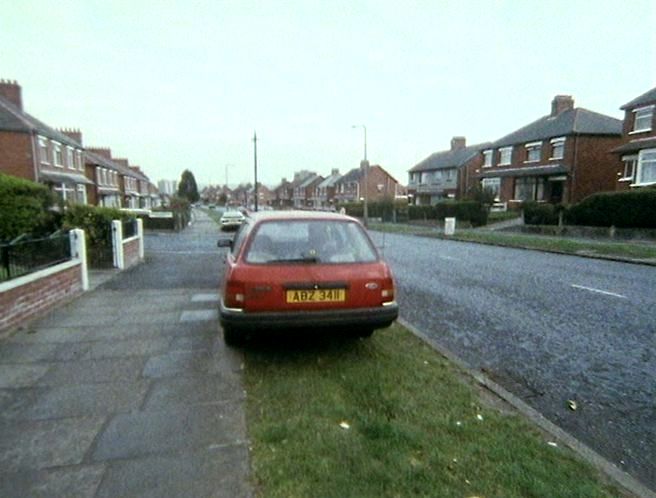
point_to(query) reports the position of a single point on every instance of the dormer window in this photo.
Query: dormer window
(643, 118)
(533, 152)
(487, 158)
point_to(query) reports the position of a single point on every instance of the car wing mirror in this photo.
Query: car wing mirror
(224, 243)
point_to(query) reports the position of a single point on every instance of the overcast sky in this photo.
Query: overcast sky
(183, 84)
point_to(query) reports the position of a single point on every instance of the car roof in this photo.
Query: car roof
(258, 216)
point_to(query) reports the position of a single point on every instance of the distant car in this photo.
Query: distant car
(292, 269)
(231, 220)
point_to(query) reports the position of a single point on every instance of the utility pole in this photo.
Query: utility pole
(365, 167)
(255, 158)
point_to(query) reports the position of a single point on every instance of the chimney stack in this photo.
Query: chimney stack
(561, 103)
(72, 134)
(334, 172)
(458, 143)
(11, 90)
(101, 151)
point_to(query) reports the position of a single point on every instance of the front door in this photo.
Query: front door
(556, 196)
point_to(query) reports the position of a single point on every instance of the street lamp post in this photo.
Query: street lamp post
(365, 163)
(255, 158)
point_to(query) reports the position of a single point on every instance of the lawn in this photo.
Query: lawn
(565, 245)
(390, 417)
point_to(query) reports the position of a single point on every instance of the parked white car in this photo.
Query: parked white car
(231, 220)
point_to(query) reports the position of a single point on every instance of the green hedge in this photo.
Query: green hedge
(633, 209)
(97, 225)
(26, 208)
(471, 211)
(541, 214)
(385, 209)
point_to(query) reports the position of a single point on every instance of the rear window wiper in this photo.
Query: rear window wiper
(302, 259)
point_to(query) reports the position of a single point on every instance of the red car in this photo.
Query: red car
(300, 269)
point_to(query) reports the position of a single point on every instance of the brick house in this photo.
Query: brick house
(111, 173)
(283, 194)
(560, 158)
(380, 184)
(324, 193)
(638, 151)
(33, 150)
(446, 174)
(304, 191)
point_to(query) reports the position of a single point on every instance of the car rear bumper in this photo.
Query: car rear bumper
(375, 318)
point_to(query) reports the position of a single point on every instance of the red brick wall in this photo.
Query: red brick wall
(16, 154)
(28, 301)
(596, 168)
(131, 253)
(377, 176)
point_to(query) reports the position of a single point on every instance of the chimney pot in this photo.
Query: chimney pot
(561, 103)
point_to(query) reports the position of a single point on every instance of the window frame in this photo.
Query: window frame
(533, 147)
(649, 109)
(43, 150)
(496, 186)
(557, 143)
(640, 168)
(57, 155)
(631, 160)
(503, 151)
(488, 156)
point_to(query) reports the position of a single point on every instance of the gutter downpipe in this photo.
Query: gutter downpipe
(576, 155)
(34, 164)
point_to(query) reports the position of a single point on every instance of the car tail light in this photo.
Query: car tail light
(234, 295)
(387, 292)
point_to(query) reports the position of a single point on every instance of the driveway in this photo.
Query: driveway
(129, 390)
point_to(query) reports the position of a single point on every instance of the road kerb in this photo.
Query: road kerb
(621, 478)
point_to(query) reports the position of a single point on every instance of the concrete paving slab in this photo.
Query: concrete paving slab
(178, 363)
(188, 391)
(217, 473)
(87, 400)
(195, 342)
(39, 445)
(115, 370)
(11, 352)
(199, 315)
(42, 334)
(150, 432)
(14, 402)
(205, 298)
(12, 376)
(77, 481)
(128, 347)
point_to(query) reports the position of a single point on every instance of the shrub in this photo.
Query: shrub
(26, 208)
(634, 209)
(422, 213)
(471, 211)
(541, 214)
(97, 225)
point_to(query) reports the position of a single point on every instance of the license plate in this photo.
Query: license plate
(316, 296)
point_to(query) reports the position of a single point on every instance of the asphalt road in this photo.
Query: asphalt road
(549, 328)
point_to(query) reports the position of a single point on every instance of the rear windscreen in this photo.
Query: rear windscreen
(310, 241)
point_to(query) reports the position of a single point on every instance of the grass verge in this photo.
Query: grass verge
(641, 252)
(388, 416)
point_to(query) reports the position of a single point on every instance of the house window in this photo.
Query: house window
(78, 160)
(529, 189)
(493, 185)
(69, 158)
(646, 167)
(57, 155)
(43, 150)
(487, 158)
(533, 151)
(643, 118)
(557, 148)
(81, 194)
(450, 174)
(630, 163)
(505, 155)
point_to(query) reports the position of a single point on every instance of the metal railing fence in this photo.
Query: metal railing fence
(22, 256)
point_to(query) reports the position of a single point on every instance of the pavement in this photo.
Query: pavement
(129, 389)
